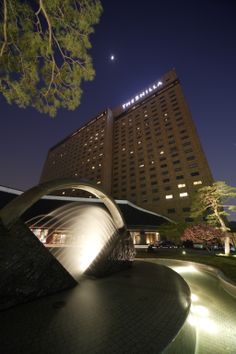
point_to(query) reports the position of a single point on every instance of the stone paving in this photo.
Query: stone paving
(139, 310)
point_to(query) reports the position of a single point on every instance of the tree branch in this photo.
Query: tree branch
(48, 22)
(4, 28)
(65, 57)
(42, 8)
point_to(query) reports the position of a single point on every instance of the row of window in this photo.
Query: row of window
(122, 173)
(182, 195)
(148, 128)
(172, 210)
(153, 186)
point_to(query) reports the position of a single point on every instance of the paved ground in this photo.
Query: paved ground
(212, 314)
(136, 311)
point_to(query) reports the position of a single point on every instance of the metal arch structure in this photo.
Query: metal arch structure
(36, 272)
(14, 210)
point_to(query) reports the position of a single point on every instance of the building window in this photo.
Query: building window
(175, 154)
(184, 194)
(179, 118)
(187, 143)
(195, 183)
(177, 114)
(168, 188)
(166, 180)
(181, 185)
(180, 177)
(190, 158)
(188, 150)
(186, 209)
(169, 196)
(171, 211)
(193, 165)
(172, 142)
(195, 174)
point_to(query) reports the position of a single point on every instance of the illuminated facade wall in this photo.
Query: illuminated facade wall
(86, 154)
(151, 153)
(158, 161)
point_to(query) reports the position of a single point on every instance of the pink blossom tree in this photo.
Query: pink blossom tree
(203, 233)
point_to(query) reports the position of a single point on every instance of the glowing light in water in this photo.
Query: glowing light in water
(76, 234)
(194, 297)
(198, 318)
(92, 230)
(185, 269)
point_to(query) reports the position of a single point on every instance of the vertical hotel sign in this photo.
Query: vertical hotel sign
(142, 94)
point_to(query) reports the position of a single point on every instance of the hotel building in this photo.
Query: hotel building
(146, 151)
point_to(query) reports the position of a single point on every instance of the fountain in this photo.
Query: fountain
(97, 242)
(137, 311)
(75, 234)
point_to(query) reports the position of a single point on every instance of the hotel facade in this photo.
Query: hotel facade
(146, 151)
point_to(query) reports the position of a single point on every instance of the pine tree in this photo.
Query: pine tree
(44, 52)
(210, 202)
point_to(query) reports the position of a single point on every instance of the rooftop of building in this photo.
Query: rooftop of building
(157, 86)
(135, 216)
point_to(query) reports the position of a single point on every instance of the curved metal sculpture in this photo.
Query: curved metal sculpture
(36, 270)
(13, 211)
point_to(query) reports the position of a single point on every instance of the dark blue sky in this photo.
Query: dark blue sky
(148, 38)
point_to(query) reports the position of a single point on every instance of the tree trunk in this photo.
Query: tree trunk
(224, 229)
(227, 245)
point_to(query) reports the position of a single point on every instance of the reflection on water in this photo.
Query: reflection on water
(213, 312)
(75, 234)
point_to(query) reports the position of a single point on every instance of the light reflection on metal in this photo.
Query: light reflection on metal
(13, 210)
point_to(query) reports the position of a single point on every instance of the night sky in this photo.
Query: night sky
(148, 38)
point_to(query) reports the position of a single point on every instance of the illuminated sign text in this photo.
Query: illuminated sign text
(142, 94)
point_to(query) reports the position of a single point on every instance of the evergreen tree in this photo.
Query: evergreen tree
(44, 51)
(210, 202)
